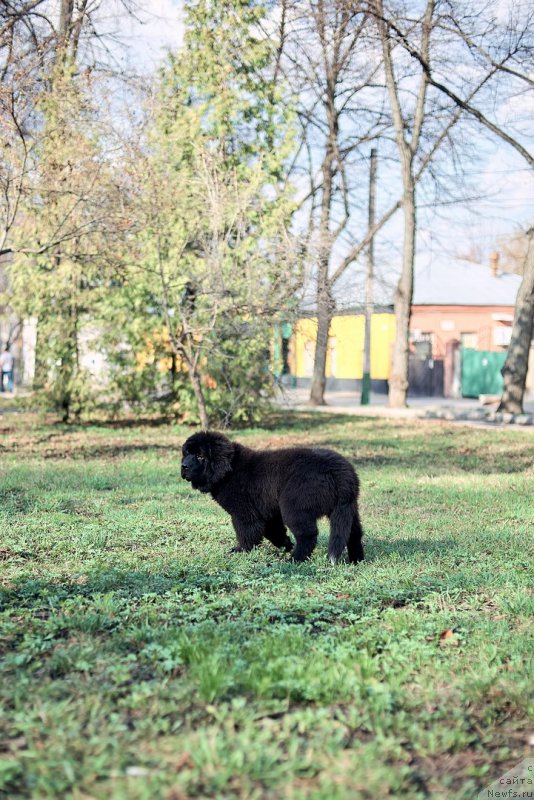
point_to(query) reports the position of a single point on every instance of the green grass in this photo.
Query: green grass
(140, 660)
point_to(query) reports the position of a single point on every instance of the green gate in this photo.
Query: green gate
(481, 372)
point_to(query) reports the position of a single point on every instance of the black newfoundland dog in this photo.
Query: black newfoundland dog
(267, 491)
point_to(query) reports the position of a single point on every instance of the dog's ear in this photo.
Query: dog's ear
(221, 455)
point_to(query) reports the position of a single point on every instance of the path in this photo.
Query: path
(465, 410)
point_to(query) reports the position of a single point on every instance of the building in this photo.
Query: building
(461, 325)
(344, 362)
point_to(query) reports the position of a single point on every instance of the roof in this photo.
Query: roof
(463, 283)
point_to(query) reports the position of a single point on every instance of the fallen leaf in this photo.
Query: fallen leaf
(175, 794)
(447, 637)
(183, 761)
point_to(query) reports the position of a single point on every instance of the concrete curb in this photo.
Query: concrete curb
(481, 415)
(465, 412)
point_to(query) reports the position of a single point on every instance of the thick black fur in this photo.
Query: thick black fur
(267, 491)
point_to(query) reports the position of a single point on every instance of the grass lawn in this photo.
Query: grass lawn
(139, 660)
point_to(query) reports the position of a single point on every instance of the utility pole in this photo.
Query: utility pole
(366, 378)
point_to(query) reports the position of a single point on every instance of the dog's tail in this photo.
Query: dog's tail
(346, 530)
(354, 545)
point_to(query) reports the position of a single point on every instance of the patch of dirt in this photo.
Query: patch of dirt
(279, 442)
(457, 767)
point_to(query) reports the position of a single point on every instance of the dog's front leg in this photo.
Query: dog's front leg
(248, 534)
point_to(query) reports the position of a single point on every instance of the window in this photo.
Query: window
(502, 335)
(421, 344)
(469, 340)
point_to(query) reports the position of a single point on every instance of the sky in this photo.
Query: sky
(156, 27)
(162, 29)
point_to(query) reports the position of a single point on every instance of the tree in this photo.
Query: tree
(515, 367)
(212, 260)
(59, 199)
(497, 53)
(37, 37)
(512, 251)
(407, 144)
(333, 56)
(21, 63)
(500, 56)
(338, 113)
(69, 211)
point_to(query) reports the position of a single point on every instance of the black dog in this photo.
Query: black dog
(268, 491)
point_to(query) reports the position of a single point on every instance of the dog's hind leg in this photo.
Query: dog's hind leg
(276, 532)
(304, 528)
(345, 531)
(354, 545)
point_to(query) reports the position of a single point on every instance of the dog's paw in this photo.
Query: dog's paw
(299, 558)
(288, 545)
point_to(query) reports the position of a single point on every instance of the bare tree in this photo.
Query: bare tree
(322, 61)
(25, 39)
(35, 37)
(515, 367)
(434, 42)
(407, 145)
(16, 109)
(354, 84)
(508, 43)
(512, 251)
(506, 53)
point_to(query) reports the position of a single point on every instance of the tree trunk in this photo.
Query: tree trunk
(324, 318)
(69, 367)
(199, 396)
(174, 375)
(40, 373)
(325, 304)
(515, 367)
(398, 382)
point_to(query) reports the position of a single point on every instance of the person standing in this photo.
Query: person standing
(6, 365)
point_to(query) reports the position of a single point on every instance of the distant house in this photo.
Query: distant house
(461, 325)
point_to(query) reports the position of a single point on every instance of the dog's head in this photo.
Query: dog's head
(206, 459)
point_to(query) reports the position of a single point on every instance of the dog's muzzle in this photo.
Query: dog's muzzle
(187, 463)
